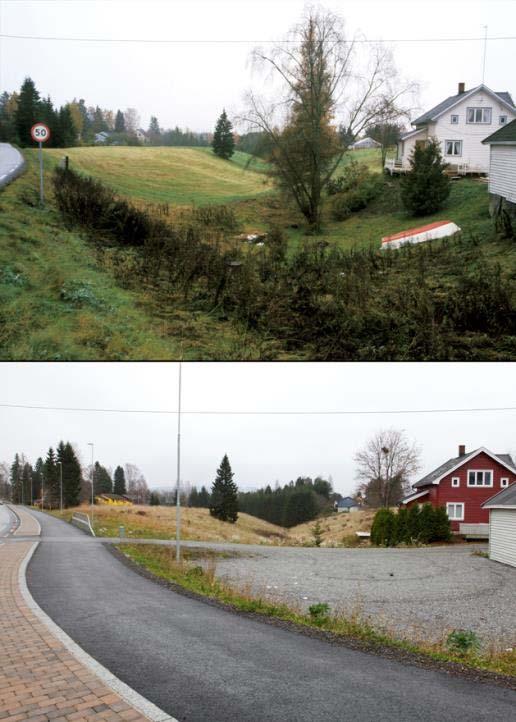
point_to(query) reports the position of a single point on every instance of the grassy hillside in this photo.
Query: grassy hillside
(159, 522)
(60, 298)
(337, 529)
(180, 176)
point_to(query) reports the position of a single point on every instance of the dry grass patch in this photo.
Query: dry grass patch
(159, 522)
(336, 529)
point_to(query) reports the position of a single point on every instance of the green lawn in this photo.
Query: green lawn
(179, 176)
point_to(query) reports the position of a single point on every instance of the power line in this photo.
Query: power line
(261, 413)
(179, 41)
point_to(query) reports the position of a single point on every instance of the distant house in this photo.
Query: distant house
(101, 137)
(364, 143)
(462, 485)
(459, 124)
(141, 136)
(346, 505)
(113, 499)
(502, 526)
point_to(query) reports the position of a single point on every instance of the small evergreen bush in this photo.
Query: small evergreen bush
(425, 187)
(462, 641)
(410, 526)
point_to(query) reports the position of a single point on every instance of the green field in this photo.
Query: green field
(179, 176)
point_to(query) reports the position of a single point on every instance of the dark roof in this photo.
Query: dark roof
(347, 501)
(441, 470)
(507, 133)
(506, 497)
(441, 107)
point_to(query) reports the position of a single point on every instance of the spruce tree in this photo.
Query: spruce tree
(413, 522)
(425, 187)
(27, 112)
(67, 129)
(119, 122)
(154, 131)
(72, 474)
(204, 498)
(15, 477)
(426, 524)
(224, 494)
(223, 143)
(442, 528)
(102, 481)
(51, 479)
(26, 481)
(119, 479)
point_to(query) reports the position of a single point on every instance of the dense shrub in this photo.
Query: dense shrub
(426, 525)
(353, 190)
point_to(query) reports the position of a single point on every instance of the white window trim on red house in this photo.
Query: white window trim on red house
(455, 482)
(455, 504)
(504, 482)
(483, 485)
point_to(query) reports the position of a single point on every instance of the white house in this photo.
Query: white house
(365, 143)
(502, 526)
(459, 124)
(502, 167)
(141, 135)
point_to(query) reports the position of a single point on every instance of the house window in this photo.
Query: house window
(455, 481)
(453, 147)
(479, 115)
(454, 119)
(504, 481)
(503, 119)
(455, 511)
(480, 478)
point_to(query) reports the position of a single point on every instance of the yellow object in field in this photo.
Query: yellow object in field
(110, 501)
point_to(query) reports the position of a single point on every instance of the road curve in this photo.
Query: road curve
(12, 163)
(200, 663)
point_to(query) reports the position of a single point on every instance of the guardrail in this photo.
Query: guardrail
(83, 521)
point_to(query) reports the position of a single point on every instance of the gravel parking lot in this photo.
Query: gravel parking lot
(421, 593)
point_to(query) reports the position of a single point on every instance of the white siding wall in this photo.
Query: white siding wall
(502, 539)
(474, 154)
(502, 172)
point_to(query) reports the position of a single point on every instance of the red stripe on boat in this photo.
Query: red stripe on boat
(414, 231)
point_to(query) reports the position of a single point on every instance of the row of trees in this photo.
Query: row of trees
(294, 503)
(60, 473)
(410, 526)
(75, 123)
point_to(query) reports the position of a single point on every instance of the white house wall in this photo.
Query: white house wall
(502, 536)
(502, 173)
(474, 154)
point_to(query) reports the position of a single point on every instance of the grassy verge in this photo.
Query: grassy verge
(201, 580)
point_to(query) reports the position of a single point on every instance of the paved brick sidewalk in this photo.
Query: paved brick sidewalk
(40, 680)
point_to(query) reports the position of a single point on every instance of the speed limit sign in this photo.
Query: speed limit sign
(40, 133)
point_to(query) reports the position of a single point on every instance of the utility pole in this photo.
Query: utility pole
(178, 483)
(92, 477)
(485, 52)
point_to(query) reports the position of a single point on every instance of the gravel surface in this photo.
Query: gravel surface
(420, 593)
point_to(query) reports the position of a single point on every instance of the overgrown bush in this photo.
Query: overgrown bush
(319, 612)
(410, 526)
(462, 641)
(353, 190)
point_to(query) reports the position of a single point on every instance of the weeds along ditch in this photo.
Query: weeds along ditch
(444, 300)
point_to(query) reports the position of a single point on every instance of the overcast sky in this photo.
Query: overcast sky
(262, 449)
(187, 84)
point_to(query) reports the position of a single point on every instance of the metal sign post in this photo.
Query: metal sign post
(40, 133)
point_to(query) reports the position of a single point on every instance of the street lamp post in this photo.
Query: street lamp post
(178, 484)
(60, 485)
(92, 477)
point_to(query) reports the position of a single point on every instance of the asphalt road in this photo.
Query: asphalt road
(5, 520)
(11, 163)
(200, 663)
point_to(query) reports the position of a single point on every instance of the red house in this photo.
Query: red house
(462, 484)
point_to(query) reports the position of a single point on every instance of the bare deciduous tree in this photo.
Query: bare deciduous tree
(316, 66)
(137, 489)
(384, 467)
